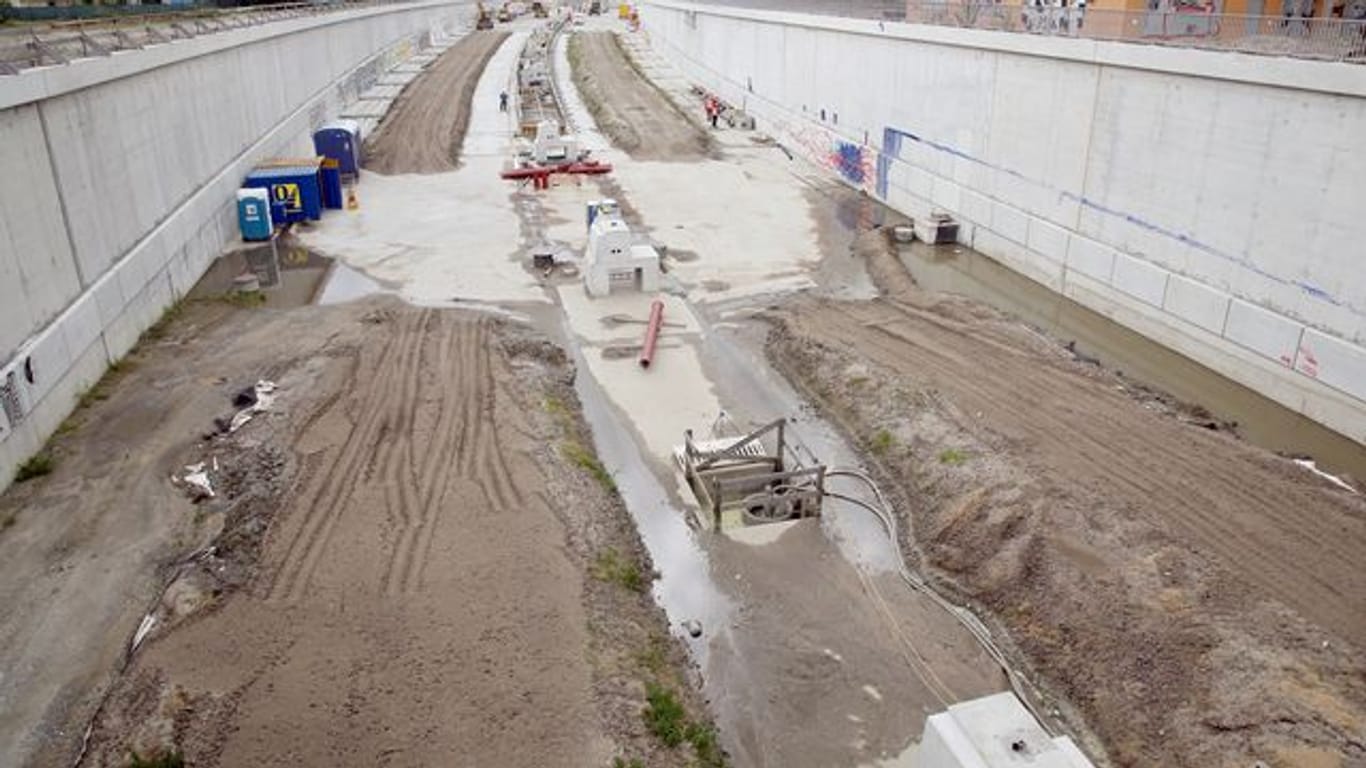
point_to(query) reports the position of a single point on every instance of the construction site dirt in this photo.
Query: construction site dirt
(637, 116)
(424, 128)
(1200, 601)
(394, 567)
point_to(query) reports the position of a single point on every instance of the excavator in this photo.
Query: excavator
(485, 20)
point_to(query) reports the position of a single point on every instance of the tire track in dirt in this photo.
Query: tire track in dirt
(1288, 539)
(425, 127)
(492, 463)
(327, 500)
(401, 481)
(414, 542)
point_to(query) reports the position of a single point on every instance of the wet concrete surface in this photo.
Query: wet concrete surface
(796, 629)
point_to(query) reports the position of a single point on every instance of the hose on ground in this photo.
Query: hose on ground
(883, 512)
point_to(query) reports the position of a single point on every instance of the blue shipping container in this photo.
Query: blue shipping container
(253, 214)
(295, 191)
(341, 141)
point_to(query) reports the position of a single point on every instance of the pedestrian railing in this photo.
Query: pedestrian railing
(1333, 39)
(1321, 38)
(29, 45)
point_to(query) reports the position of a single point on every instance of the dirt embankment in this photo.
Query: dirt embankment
(424, 128)
(631, 110)
(411, 555)
(1199, 601)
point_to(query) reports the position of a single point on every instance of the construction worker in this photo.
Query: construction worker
(713, 108)
(503, 101)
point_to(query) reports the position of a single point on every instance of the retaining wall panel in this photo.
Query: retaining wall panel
(1196, 303)
(1090, 258)
(1332, 361)
(35, 256)
(1144, 281)
(1263, 331)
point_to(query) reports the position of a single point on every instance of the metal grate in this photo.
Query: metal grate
(9, 399)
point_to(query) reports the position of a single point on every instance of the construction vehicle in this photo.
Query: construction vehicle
(504, 14)
(595, 7)
(538, 9)
(485, 19)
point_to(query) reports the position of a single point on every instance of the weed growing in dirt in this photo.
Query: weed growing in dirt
(555, 407)
(92, 395)
(664, 715)
(668, 721)
(162, 760)
(584, 459)
(883, 442)
(68, 425)
(634, 762)
(611, 567)
(38, 464)
(99, 391)
(158, 329)
(953, 457)
(245, 299)
(704, 746)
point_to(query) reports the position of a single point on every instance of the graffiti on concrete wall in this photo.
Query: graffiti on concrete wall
(854, 163)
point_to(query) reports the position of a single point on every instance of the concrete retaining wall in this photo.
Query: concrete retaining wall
(1211, 201)
(119, 175)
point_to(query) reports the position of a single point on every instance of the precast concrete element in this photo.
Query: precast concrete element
(993, 732)
(1208, 200)
(119, 182)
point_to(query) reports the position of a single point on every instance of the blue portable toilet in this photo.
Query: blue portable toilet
(253, 214)
(331, 184)
(295, 189)
(340, 140)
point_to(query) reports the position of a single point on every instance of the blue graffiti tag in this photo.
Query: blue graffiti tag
(891, 151)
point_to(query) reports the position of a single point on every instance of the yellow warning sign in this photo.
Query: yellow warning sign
(289, 195)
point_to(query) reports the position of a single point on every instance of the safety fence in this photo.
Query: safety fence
(1193, 26)
(28, 45)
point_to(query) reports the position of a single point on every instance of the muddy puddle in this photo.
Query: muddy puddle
(684, 588)
(959, 270)
(288, 274)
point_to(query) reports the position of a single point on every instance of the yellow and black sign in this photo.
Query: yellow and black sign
(289, 195)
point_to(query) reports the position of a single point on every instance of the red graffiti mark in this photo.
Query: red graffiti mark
(1287, 362)
(1309, 365)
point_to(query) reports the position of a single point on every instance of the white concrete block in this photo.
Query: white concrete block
(1136, 277)
(1335, 362)
(975, 207)
(1261, 330)
(919, 183)
(1031, 264)
(1196, 303)
(1010, 222)
(110, 299)
(49, 357)
(946, 195)
(1048, 238)
(81, 323)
